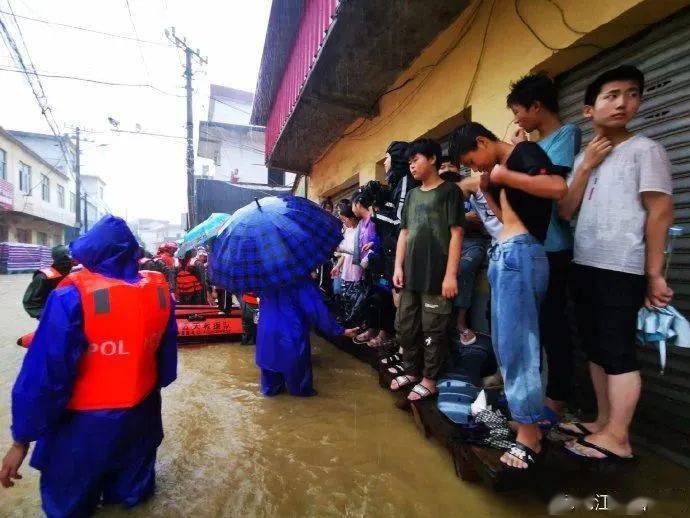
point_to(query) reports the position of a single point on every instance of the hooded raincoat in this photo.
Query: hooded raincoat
(40, 287)
(283, 351)
(84, 456)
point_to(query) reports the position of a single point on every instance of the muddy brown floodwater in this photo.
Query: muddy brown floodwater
(228, 451)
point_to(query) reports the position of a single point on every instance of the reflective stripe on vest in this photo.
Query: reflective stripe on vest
(124, 324)
(187, 283)
(51, 273)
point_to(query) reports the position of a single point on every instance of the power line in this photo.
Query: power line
(377, 127)
(41, 99)
(134, 28)
(87, 29)
(231, 106)
(148, 133)
(94, 81)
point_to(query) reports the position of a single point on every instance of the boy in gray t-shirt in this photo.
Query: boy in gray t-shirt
(620, 189)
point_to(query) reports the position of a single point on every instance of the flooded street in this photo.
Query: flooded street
(228, 451)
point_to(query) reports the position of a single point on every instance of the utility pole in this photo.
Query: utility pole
(86, 212)
(189, 55)
(77, 180)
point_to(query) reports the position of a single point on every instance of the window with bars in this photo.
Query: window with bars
(24, 178)
(45, 188)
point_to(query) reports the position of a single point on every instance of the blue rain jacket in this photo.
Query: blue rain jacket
(83, 454)
(287, 315)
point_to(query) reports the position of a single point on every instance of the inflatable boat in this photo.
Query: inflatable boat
(195, 324)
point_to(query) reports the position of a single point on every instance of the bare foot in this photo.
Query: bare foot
(603, 440)
(428, 384)
(366, 336)
(514, 460)
(591, 427)
(528, 435)
(403, 381)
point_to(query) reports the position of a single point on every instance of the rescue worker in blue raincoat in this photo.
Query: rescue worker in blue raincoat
(283, 351)
(88, 391)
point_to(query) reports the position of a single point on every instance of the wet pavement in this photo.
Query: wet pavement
(228, 451)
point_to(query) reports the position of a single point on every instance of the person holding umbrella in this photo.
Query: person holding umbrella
(270, 248)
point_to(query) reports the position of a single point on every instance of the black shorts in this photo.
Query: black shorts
(606, 306)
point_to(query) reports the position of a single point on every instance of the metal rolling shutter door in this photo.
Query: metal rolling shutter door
(662, 53)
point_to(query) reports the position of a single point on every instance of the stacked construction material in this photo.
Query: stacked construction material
(22, 257)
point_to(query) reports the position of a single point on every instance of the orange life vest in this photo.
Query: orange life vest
(187, 283)
(51, 273)
(250, 298)
(124, 324)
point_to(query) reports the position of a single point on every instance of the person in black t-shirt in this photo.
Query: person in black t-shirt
(520, 184)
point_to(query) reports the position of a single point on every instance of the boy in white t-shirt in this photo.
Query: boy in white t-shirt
(621, 191)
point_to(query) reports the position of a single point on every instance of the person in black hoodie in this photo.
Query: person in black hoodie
(400, 180)
(387, 203)
(46, 280)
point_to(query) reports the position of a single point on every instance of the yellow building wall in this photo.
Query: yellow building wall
(471, 65)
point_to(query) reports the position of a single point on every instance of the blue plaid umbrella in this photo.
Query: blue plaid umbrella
(272, 242)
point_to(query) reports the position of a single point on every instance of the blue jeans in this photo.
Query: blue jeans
(471, 258)
(519, 275)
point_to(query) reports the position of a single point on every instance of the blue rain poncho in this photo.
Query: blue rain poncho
(283, 351)
(86, 455)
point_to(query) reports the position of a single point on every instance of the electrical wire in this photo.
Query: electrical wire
(87, 29)
(94, 81)
(565, 22)
(231, 106)
(377, 128)
(541, 40)
(407, 81)
(470, 89)
(41, 98)
(150, 134)
(136, 34)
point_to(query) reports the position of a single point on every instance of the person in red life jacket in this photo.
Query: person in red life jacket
(199, 266)
(146, 261)
(46, 280)
(250, 317)
(88, 391)
(166, 263)
(189, 287)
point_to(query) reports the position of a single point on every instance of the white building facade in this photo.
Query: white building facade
(93, 205)
(235, 147)
(154, 232)
(35, 202)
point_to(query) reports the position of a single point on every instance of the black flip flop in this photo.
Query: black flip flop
(422, 392)
(525, 454)
(396, 369)
(584, 432)
(390, 359)
(610, 456)
(409, 380)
